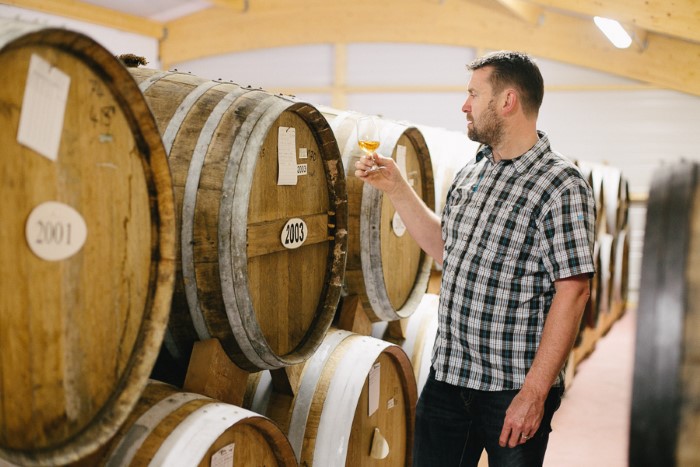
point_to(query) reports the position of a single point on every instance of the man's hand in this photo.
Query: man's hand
(523, 418)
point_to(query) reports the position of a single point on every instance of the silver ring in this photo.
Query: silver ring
(524, 436)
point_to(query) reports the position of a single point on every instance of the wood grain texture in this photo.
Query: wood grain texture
(268, 306)
(80, 336)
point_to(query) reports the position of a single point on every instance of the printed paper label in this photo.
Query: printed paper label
(374, 388)
(55, 231)
(43, 108)
(303, 153)
(401, 160)
(223, 457)
(286, 156)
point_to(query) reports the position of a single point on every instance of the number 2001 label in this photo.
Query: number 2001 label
(55, 231)
(294, 233)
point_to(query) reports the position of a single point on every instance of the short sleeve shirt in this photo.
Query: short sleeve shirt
(511, 229)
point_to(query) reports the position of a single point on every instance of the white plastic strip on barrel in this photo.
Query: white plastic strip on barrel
(307, 389)
(187, 444)
(342, 399)
(127, 448)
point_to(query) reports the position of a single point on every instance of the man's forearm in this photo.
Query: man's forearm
(422, 223)
(558, 335)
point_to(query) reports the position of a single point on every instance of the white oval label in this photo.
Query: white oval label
(55, 231)
(294, 233)
(397, 225)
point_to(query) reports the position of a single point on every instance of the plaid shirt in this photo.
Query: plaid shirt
(511, 229)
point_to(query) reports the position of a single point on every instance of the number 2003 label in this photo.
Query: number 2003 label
(294, 233)
(55, 231)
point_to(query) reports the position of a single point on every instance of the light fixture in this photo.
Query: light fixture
(614, 32)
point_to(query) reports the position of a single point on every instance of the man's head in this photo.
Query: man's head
(514, 70)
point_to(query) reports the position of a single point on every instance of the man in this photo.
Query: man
(515, 242)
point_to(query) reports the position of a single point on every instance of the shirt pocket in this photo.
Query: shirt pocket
(508, 230)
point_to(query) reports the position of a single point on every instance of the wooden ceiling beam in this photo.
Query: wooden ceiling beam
(93, 14)
(526, 11)
(679, 18)
(237, 5)
(666, 62)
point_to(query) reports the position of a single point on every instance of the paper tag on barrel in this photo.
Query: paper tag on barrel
(43, 108)
(223, 457)
(286, 156)
(55, 231)
(374, 388)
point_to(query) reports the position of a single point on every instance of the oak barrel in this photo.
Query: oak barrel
(591, 312)
(269, 304)
(616, 199)
(327, 417)
(665, 419)
(170, 428)
(386, 268)
(593, 174)
(419, 336)
(606, 272)
(621, 270)
(86, 240)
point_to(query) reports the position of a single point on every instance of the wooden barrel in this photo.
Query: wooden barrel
(86, 240)
(263, 249)
(386, 268)
(354, 393)
(616, 199)
(621, 270)
(606, 272)
(418, 338)
(591, 312)
(171, 428)
(665, 420)
(594, 175)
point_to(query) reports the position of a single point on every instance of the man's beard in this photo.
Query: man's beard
(490, 128)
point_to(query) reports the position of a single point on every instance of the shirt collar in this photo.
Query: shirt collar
(523, 162)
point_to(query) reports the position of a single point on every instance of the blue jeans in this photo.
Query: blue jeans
(455, 424)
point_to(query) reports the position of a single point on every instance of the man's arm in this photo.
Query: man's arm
(421, 222)
(525, 413)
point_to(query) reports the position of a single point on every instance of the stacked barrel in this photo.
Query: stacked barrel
(88, 237)
(609, 286)
(197, 230)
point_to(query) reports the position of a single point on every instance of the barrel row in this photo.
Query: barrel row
(182, 215)
(610, 284)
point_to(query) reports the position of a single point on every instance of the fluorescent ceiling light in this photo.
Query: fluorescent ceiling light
(614, 32)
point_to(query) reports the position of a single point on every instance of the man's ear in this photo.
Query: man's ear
(510, 100)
